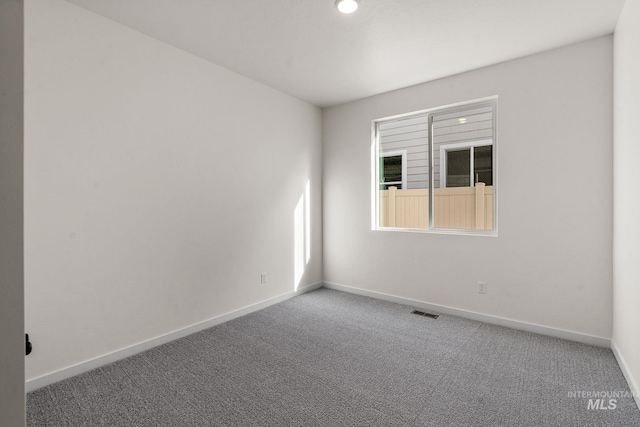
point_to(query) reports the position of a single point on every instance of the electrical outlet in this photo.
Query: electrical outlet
(263, 278)
(482, 287)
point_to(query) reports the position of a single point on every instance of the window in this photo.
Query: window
(436, 169)
(393, 169)
(467, 163)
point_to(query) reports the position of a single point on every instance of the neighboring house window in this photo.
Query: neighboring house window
(436, 169)
(393, 169)
(467, 163)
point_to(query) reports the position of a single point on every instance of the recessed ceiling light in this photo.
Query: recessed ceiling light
(347, 6)
(462, 120)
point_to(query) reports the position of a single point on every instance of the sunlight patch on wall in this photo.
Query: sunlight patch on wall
(301, 235)
(307, 220)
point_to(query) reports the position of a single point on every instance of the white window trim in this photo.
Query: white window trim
(458, 146)
(402, 153)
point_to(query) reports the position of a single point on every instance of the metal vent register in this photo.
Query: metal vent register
(422, 313)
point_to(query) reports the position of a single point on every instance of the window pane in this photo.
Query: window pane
(391, 169)
(463, 156)
(458, 168)
(483, 164)
(403, 145)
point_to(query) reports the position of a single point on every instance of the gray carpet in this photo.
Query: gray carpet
(329, 358)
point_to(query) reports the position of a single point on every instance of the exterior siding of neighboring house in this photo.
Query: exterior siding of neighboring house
(410, 135)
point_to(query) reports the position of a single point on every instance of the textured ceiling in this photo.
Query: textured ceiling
(308, 49)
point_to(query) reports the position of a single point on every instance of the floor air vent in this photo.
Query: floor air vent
(422, 313)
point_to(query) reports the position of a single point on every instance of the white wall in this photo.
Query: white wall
(626, 236)
(12, 400)
(552, 262)
(158, 187)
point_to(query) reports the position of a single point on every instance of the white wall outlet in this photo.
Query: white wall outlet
(263, 278)
(482, 287)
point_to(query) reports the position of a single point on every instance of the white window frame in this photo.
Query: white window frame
(457, 147)
(392, 153)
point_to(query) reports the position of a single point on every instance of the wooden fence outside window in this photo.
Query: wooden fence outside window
(469, 208)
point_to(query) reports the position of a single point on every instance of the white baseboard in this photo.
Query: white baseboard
(71, 371)
(495, 320)
(633, 385)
